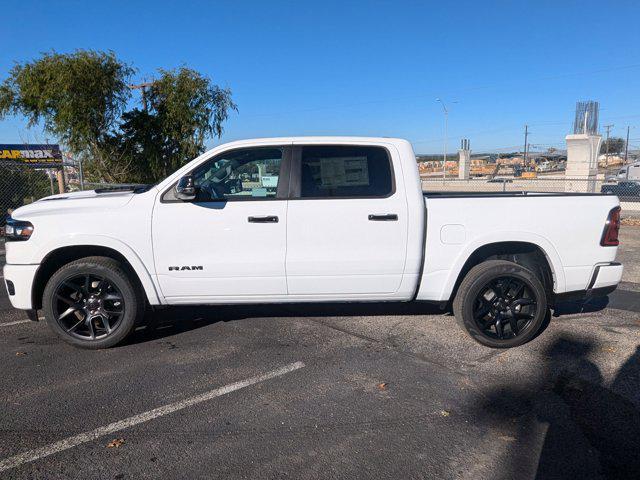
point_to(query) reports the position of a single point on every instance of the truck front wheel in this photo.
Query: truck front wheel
(501, 304)
(92, 303)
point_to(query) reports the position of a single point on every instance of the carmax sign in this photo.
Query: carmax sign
(40, 155)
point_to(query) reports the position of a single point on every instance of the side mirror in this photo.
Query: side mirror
(185, 189)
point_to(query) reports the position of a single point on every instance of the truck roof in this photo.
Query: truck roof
(314, 139)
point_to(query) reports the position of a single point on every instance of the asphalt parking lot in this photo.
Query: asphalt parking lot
(329, 391)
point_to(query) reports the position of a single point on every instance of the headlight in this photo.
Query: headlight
(17, 230)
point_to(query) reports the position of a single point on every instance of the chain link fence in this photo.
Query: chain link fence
(627, 191)
(23, 184)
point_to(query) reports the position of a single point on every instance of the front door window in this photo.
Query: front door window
(245, 174)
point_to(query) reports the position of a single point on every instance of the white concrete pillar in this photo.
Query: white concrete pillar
(464, 163)
(582, 162)
(464, 159)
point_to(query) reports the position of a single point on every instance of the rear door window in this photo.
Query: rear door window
(345, 172)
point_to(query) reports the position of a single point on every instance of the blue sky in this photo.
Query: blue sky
(365, 67)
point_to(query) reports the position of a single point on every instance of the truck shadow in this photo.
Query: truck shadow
(177, 319)
(174, 320)
(592, 429)
(581, 306)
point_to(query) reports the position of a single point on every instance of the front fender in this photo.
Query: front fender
(145, 276)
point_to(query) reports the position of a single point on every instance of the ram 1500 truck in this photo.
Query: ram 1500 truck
(311, 219)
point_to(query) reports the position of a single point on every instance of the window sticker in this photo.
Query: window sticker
(269, 181)
(344, 171)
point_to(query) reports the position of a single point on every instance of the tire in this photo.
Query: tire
(98, 297)
(512, 320)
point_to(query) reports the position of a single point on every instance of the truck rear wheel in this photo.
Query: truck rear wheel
(501, 304)
(92, 303)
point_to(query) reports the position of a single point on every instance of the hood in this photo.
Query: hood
(74, 201)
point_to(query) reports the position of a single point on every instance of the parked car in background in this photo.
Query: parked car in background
(622, 189)
(629, 172)
(307, 219)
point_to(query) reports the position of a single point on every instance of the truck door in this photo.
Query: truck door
(231, 240)
(347, 222)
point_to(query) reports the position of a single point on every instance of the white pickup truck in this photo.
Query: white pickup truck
(307, 219)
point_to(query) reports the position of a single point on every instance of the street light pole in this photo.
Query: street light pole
(446, 126)
(526, 145)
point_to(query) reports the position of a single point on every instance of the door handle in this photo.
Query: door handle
(387, 217)
(267, 219)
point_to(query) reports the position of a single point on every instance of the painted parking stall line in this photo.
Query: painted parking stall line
(17, 322)
(70, 442)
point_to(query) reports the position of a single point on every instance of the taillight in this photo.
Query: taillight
(611, 229)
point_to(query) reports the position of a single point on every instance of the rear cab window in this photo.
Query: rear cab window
(345, 171)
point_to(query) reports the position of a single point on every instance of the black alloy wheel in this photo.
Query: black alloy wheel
(93, 302)
(505, 308)
(501, 304)
(88, 307)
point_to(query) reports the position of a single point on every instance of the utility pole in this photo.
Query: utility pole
(60, 177)
(444, 156)
(606, 155)
(626, 152)
(526, 145)
(51, 175)
(143, 88)
(80, 174)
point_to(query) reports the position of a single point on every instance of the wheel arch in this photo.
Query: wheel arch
(60, 256)
(526, 253)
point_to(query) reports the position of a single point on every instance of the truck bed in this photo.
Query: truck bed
(566, 227)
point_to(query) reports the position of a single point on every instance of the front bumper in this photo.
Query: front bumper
(22, 278)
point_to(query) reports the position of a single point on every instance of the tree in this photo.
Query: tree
(79, 98)
(82, 99)
(616, 145)
(185, 109)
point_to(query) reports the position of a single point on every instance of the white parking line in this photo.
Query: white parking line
(81, 438)
(17, 322)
